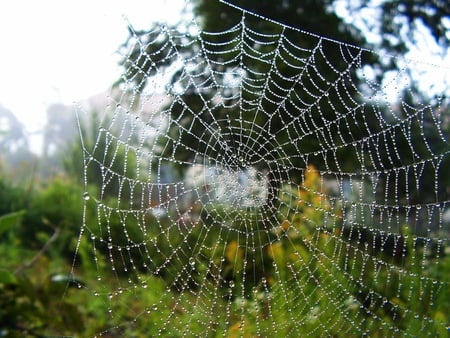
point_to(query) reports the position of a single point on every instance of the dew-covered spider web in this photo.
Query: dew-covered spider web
(268, 182)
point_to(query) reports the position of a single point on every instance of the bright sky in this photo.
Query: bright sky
(64, 51)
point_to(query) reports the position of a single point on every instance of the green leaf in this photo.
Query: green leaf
(9, 220)
(7, 278)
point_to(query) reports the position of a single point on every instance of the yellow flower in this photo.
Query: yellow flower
(234, 252)
(275, 251)
(285, 225)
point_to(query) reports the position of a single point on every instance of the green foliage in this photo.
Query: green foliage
(31, 303)
(9, 220)
(57, 206)
(12, 198)
(34, 308)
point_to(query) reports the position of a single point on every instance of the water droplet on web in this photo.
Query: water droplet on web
(231, 284)
(192, 261)
(86, 196)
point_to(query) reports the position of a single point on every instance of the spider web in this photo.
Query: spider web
(253, 183)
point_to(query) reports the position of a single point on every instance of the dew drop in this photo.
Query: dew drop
(86, 196)
(192, 261)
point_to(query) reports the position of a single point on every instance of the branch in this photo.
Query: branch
(40, 253)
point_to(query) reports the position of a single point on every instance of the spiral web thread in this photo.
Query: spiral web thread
(297, 195)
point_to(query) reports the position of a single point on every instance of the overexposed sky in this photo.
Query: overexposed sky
(64, 51)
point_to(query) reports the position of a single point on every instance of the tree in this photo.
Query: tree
(15, 154)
